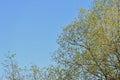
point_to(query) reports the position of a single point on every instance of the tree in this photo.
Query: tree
(90, 46)
(11, 68)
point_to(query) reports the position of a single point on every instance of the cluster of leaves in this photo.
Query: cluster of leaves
(89, 48)
(14, 72)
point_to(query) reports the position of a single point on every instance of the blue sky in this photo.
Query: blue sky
(30, 28)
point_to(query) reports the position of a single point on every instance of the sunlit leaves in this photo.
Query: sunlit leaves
(89, 41)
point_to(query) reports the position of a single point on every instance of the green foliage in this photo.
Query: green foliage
(92, 43)
(89, 49)
(11, 69)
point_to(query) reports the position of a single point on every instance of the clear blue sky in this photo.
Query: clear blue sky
(30, 28)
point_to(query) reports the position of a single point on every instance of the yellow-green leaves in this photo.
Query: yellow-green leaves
(90, 42)
(82, 11)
